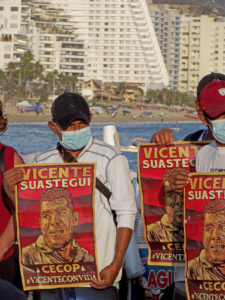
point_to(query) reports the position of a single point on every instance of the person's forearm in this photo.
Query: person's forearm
(7, 238)
(123, 238)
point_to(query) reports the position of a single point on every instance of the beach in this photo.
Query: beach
(15, 116)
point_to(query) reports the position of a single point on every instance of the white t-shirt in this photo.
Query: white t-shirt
(210, 158)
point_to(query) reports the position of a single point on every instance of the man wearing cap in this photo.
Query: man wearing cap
(210, 104)
(71, 123)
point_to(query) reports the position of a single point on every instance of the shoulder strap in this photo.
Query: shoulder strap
(194, 136)
(106, 192)
(2, 161)
(6, 200)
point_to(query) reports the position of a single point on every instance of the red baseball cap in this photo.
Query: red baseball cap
(212, 98)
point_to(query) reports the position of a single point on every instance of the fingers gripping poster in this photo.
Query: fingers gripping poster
(205, 236)
(55, 225)
(162, 208)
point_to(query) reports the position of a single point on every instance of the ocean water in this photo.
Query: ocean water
(36, 137)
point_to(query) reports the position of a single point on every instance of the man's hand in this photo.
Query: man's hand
(10, 179)
(163, 137)
(107, 277)
(108, 274)
(178, 178)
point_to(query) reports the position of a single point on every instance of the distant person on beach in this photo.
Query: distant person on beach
(9, 266)
(115, 207)
(56, 243)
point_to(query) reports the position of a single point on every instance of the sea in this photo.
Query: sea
(37, 137)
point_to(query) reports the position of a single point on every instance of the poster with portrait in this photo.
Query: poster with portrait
(162, 209)
(55, 225)
(205, 236)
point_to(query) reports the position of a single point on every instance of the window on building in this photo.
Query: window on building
(14, 8)
(7, 56)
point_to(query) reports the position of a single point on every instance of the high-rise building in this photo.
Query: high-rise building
(202, 44)
(108, 40)
(166, 23)
(13, 39)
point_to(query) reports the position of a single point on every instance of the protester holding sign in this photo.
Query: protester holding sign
(71, 123)
(165, 135)
(8, 261)
(211, 111)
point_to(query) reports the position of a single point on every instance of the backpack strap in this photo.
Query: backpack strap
(6, 200)
(106, 192)
(2, 161)
(194, 136)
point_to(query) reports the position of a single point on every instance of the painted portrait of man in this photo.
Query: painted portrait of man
(210, 264)
(170, 227)
(56, 244)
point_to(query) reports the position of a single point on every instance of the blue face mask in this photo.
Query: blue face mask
(76, 139)
(218, 130)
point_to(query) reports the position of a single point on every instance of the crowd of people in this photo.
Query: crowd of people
(115, 206)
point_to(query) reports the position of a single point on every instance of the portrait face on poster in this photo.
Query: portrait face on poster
(56, 230)
(205, 235)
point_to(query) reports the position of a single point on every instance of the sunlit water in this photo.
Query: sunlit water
(33, 137)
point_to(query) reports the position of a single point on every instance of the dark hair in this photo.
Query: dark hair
(214, 206)
(57, 193)
(207, 79)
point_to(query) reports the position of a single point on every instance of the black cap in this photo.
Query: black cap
(69, 107)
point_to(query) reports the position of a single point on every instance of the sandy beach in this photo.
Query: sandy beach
(15, 116)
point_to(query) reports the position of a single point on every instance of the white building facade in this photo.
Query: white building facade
(13, 39)
(108, 40)
(202, 44)
(166, 23)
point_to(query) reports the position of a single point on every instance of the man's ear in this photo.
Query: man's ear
(51, 125)
(200, 113)
(75, 218)
(91, 115)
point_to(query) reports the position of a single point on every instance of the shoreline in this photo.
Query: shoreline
(33, 118)
(165, 116)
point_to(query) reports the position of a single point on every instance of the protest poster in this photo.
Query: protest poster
(162, 209)
(55, 225)
(156, 278)
(205, 236)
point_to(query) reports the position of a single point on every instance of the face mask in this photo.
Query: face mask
(218, 130)
(76, 139)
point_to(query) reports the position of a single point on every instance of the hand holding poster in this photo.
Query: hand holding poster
(55, 221)
(205, 236)
(162, 208)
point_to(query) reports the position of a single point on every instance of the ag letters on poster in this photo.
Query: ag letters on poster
(205, 236)
(55, 225)
(162, 209)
